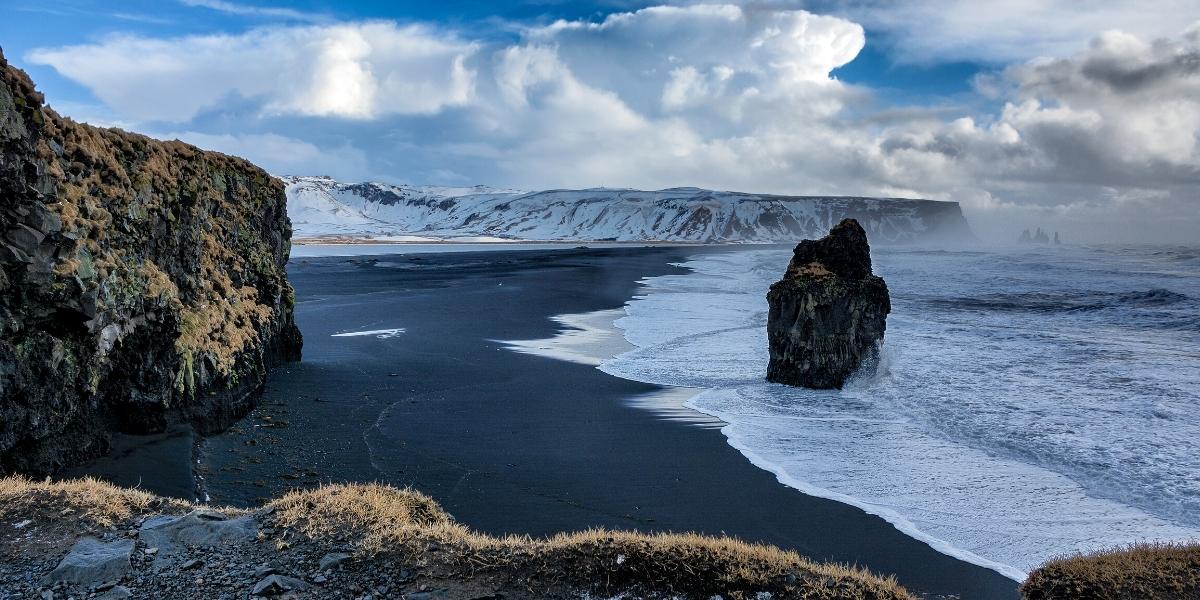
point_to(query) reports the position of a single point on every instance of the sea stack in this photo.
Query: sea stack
(828, 313)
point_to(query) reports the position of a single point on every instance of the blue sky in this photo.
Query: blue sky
(1027, 112)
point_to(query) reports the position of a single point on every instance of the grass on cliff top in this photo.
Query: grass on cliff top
(394, 527)
(1142, 571)
(382, 520)
(88, 501)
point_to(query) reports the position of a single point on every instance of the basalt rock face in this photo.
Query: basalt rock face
(828, 313)
(142, 284)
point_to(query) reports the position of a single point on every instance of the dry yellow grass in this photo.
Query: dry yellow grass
(376, 517)
(87, 500)
(1140, 571)
(406, 523)
(395, 529)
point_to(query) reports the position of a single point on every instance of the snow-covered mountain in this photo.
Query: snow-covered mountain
(323, 208)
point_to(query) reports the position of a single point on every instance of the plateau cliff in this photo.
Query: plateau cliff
(828, 313)
(142, 284)
(323, 208)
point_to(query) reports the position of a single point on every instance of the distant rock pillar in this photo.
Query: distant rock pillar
(828, 313)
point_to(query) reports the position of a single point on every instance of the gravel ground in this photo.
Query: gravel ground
(272, 562)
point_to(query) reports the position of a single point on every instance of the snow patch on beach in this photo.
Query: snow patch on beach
(382, 334)
(1017, 414)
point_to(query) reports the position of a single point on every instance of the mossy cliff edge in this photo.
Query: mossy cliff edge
(142, 284)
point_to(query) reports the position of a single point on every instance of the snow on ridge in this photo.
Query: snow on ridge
(321, 207)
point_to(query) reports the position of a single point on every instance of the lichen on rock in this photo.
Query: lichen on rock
(142, 283)
(828, 313)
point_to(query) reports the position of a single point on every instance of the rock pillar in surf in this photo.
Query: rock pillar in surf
(828, 313)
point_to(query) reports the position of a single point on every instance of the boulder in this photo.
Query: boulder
(199, 528)
(828, 313)
(92, 562)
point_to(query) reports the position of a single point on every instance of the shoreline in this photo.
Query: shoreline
(900, 522)
(577, 343)
(514, 443)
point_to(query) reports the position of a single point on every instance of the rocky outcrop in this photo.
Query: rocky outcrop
(142, 283)
(828, 313)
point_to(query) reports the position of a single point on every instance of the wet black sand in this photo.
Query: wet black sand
(161, 463)
(513, 443)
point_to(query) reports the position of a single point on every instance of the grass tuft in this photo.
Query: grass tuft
(1149, 571)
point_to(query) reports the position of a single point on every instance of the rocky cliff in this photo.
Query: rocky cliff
(142, 284)
(828, 313)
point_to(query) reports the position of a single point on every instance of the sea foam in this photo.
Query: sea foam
(1027, 404)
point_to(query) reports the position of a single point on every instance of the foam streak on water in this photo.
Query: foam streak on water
(1028, 403)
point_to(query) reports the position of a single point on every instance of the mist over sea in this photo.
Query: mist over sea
(1030, 402)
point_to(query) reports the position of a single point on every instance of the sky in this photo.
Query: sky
(1078, 116)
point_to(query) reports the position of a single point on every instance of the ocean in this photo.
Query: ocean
(1030, 402)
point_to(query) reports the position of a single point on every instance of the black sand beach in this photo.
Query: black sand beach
(514, 443)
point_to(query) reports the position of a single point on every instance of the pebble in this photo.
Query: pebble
(332, 560)
(274, 585)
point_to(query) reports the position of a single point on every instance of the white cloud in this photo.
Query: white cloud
(357, 70)
(1111, 132)
(686, 87)
(280, 155)
(1143, 95)
(1003, 31)
(1125, 112)
(662, 58)
(235, 8)
(666, 96)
